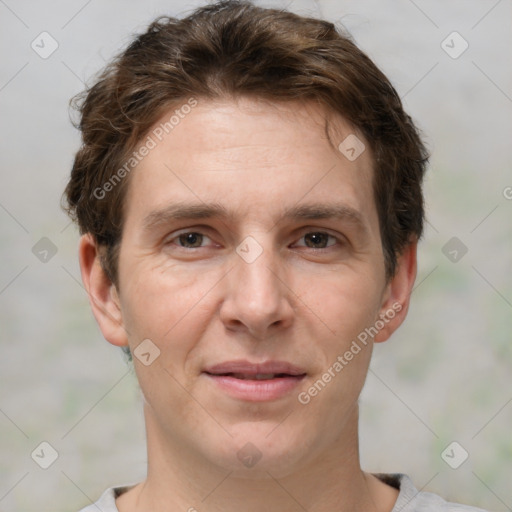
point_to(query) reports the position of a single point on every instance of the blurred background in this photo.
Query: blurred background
(438, 400)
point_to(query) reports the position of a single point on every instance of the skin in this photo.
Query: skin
(303, 300)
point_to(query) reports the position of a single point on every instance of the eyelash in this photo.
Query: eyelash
(337, 240)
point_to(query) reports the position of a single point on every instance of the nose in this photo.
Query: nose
(258, 300)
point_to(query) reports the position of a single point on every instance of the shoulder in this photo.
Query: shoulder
(107, 501)
(412, 500)
(409, 498)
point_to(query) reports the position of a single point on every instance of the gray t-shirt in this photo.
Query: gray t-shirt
(409, 498)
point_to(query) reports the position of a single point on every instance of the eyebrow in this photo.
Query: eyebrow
(318, 211)
(198, 211)
(180, 211)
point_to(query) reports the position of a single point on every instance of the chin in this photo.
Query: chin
(254, 454)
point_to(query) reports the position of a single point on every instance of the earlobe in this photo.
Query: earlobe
(398, 292)
(102, 292)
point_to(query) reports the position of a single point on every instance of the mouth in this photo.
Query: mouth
(255, 382)
(257, 376)
(268, 369)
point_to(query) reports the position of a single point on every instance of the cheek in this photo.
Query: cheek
(345, 301)
(166, 304)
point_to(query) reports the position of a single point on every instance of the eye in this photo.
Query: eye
(318, 240)
(312, 240)
(190, 240)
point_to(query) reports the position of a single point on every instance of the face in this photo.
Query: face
(248, 238)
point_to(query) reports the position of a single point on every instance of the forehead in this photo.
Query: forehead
(254, 156)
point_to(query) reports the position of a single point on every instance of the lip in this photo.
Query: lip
(252, 389)
(248, 368)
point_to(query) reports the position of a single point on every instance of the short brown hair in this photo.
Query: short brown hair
(228, 49)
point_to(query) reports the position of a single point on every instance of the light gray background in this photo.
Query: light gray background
(446, 374)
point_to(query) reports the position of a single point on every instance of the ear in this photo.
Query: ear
(102, 292)
(398, 293)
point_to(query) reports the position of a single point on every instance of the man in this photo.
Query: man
(249, 194)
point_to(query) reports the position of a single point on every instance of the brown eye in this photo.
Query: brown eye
(190, 240)
(316, 240)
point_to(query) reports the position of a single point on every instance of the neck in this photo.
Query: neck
(181, 478)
